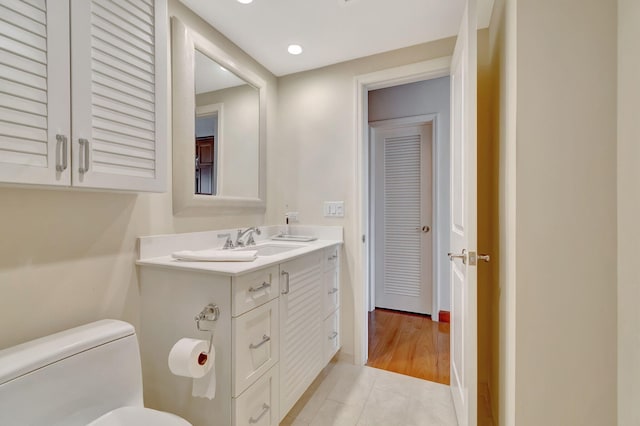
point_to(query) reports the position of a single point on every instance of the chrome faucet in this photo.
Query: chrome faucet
(249, 241)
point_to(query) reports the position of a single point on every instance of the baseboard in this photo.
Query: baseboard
(444, 316)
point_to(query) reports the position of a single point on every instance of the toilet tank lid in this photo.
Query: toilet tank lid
(29, 356)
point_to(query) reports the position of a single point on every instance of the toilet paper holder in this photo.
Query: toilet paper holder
(209, 313)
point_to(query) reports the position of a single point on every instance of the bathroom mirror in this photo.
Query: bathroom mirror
(219, 133)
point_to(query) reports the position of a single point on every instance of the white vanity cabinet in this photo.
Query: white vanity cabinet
(245, 339)
(106, 126)
(278, 328)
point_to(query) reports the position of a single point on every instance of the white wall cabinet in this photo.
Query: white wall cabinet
(83, 93)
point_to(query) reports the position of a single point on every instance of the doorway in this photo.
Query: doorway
(408, 213)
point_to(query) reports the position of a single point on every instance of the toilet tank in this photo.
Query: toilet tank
(71, 377)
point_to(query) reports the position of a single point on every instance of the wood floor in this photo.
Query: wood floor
(409, 344)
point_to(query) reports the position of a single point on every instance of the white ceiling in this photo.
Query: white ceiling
(331, 31)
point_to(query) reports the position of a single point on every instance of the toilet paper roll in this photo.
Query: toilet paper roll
(189, 358)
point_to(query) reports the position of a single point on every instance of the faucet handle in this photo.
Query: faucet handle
(239, 242)
(228, 244)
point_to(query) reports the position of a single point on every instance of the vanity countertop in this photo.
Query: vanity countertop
(227, 268)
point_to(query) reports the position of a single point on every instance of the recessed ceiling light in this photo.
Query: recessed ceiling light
(294, 49)
(245, 1)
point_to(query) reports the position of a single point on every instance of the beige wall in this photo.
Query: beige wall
(67, 257)
(566, 212)
(316, 151)
(628, 212)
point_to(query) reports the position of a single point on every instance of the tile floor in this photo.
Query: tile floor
(349, 395)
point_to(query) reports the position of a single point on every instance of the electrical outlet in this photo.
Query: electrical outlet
(292, 216)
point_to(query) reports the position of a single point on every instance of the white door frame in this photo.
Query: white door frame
(426, 70)
(415, 120)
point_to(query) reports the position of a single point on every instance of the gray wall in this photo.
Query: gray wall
(419, 98)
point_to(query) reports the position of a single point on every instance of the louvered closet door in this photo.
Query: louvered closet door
(34, 91)
(406, 282)
(118, 93)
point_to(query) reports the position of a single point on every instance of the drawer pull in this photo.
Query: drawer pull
(265, 339)
(333, 335)
(287, 289)
(265, 410)
(333, 291)
(332, 257)
(264, 286)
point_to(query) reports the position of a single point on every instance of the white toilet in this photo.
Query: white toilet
(86, 375)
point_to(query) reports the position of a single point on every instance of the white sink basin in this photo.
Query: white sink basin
(271, 249)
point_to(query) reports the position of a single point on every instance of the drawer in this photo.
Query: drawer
(331, 335)
(255, 345)
(258, 405)
(254, 289)
(331, 257)
(331, 292)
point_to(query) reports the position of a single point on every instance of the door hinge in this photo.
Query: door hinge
(363, 238)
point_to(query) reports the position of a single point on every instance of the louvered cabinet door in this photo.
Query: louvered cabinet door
(118, 63)
(301, 327)
(34, 92)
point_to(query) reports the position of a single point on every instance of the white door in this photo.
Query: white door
(403, 194)
(464, 220)
(118, 94)
(35, 119)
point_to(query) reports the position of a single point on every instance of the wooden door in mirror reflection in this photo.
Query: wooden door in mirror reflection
(204, 166)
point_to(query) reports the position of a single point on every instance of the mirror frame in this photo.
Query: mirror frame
(184, 42)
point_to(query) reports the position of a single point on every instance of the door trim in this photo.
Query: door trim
(415, 120)
(427, 70)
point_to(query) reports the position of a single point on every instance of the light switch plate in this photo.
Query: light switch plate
(334, 209)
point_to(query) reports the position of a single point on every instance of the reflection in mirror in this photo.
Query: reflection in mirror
(226, 131)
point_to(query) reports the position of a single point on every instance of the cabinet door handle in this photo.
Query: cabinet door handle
(333, 291)
(264, 340)
(333, 335)
(264, 286)
(286, 288)
(61, 164)
(332, 257)
(84, 147)
(265, 410)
